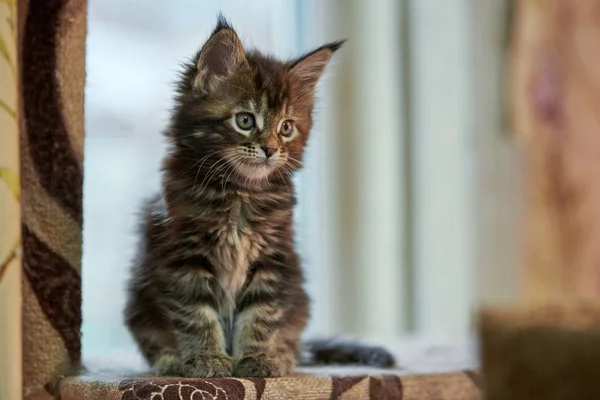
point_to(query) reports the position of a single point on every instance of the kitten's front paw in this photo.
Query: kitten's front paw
(168, 364)
(207, 366)
(257, 365)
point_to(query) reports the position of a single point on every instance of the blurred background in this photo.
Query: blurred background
(407, 202)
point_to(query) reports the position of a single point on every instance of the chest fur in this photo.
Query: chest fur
(237, 244)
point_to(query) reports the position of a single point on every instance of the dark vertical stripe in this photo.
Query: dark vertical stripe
(386, 387)
(259, 386)
(408, 170)
(340, 385)
(56, 165)
(57, 288)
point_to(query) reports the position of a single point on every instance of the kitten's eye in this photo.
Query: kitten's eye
(245, 121)
(287, 128)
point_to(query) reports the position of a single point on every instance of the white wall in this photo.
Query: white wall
(443, 155)
(363, 203)
(403, 217)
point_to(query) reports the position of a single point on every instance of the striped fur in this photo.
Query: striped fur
(217, 288)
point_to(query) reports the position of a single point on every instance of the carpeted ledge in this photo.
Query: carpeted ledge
(426, 371)
(451, 386)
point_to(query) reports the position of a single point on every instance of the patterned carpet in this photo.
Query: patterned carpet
(427, 370)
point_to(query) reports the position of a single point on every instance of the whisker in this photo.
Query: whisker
(232, 166)
(200, 168)
(237, 174)
(203, 159)
(300, 163)
(209, 176)
(282, 178)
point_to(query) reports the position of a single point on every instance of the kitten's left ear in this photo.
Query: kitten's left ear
(310, 67)
(221, 55)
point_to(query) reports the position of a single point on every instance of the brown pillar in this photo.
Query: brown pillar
(555, 102)
(52, 69)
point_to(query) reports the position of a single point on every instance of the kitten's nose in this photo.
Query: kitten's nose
(269, 151)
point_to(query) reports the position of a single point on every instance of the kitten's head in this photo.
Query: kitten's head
(243, 112)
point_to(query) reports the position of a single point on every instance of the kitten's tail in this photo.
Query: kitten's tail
(339, 352)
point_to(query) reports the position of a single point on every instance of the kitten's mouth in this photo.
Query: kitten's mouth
(263, 162)
(256, 168)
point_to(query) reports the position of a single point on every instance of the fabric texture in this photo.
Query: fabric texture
(549, 352)
(52, 67)
(10, 240)
(451, 386)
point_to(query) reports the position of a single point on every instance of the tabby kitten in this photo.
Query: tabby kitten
(217, 286)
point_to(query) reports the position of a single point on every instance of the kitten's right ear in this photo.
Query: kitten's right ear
(220, 55)
(309, 68)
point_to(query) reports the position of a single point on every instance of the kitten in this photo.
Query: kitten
(217, 285)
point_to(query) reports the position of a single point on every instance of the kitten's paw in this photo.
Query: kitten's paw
(208, 366)
(168, 365)
(257, 365)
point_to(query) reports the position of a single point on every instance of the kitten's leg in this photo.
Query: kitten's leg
(194, 346)
(201, 344)
(272, 314)
(148, 327)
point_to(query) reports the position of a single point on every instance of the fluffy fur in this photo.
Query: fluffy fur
(216, 287)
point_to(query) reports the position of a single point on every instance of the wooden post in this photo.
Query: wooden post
(555, 86)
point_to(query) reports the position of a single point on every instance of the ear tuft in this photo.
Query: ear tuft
(310, 67)
(334, 46)
(222, 23)
(221, 54)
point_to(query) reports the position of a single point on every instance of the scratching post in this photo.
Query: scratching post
(52, 67)
(547, 346)
(10, 260)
